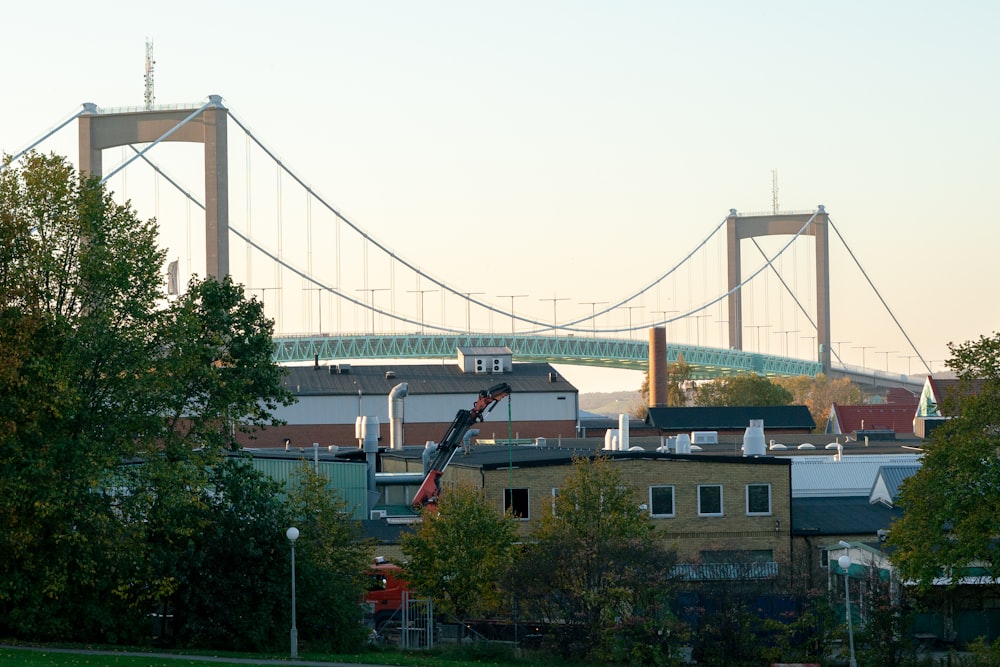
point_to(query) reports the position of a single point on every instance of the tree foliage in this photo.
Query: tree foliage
(116, 500)
(457, 555)
(820, 393)
(950, 522)
(741, 390)
(595, 566)
(332, 561)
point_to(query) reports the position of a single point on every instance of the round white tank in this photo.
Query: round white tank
(753, 439)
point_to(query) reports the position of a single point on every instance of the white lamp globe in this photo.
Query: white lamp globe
(292, 533)
(844, 561)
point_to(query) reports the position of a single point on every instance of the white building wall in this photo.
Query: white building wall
(427, 408)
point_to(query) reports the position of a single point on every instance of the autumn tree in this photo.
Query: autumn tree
(950, 522)
(596, 570)
(821, 392)
(741, 390)
(678, 383)
(458, 553)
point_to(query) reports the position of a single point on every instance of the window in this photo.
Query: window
(661, 501)
(516, 500)
(709, 500)
(758, 499)
(824, 558)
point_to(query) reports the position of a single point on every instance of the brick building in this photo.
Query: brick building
(714, 510)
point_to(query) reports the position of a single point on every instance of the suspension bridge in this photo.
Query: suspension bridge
(338, 293)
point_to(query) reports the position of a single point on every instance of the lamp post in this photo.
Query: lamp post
(293, 534)
(845, 564)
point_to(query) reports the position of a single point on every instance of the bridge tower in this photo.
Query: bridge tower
(743, 227)
(100, 130)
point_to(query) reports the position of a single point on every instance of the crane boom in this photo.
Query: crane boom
(464, 420)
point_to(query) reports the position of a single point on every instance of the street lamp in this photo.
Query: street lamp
(845, 564)
(293, 534)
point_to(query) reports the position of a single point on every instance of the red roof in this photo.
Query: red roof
(897, 417)
(900, 395)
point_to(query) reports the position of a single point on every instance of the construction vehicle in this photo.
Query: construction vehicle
(384, 594)
(428, 492)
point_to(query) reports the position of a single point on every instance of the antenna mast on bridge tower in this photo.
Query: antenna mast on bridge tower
(150, 97)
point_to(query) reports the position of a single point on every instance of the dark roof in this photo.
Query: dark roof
(893, 477)
(718, 419)
(841, 516)
(437, 378)
(493, 457)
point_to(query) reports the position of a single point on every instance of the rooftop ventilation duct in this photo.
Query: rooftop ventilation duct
(396, 396)
(753, 439)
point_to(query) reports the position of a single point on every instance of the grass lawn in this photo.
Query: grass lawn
(70, 658)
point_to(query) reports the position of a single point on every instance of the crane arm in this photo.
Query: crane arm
(464, 420)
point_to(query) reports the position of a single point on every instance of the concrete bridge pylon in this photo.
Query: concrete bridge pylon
(743, 227)
(107, 129)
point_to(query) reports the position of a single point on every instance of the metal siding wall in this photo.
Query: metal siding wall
(348, 479)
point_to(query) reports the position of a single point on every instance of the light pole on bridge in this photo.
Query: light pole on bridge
(468, 309)
(862, 348)
(420, 312)
(812, 342)
(758, 327)
(697, 328)
(838, 343)
(630, 309)
(554, 299)
(593, 312)
(887, 358)
(511, 297)
(320, 290)
(789, 331)
(665, 313)
(371, 306)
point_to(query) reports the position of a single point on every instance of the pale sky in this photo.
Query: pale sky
(576, 150)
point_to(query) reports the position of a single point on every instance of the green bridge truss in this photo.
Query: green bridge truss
(706, 362)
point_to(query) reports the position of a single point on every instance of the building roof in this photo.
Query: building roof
(495, 457)
(895, 417)
(848, 515)
(826, 477)
(885, 488)
(447, 378)
(784, 417)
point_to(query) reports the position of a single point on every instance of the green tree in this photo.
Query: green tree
(116, 407)
(596, 570)
(78, 274)
(458, 554)
(950, 522)
(741, 390)
(332, 559)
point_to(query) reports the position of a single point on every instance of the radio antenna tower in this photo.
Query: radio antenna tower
(774, 191)
(150, 97)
